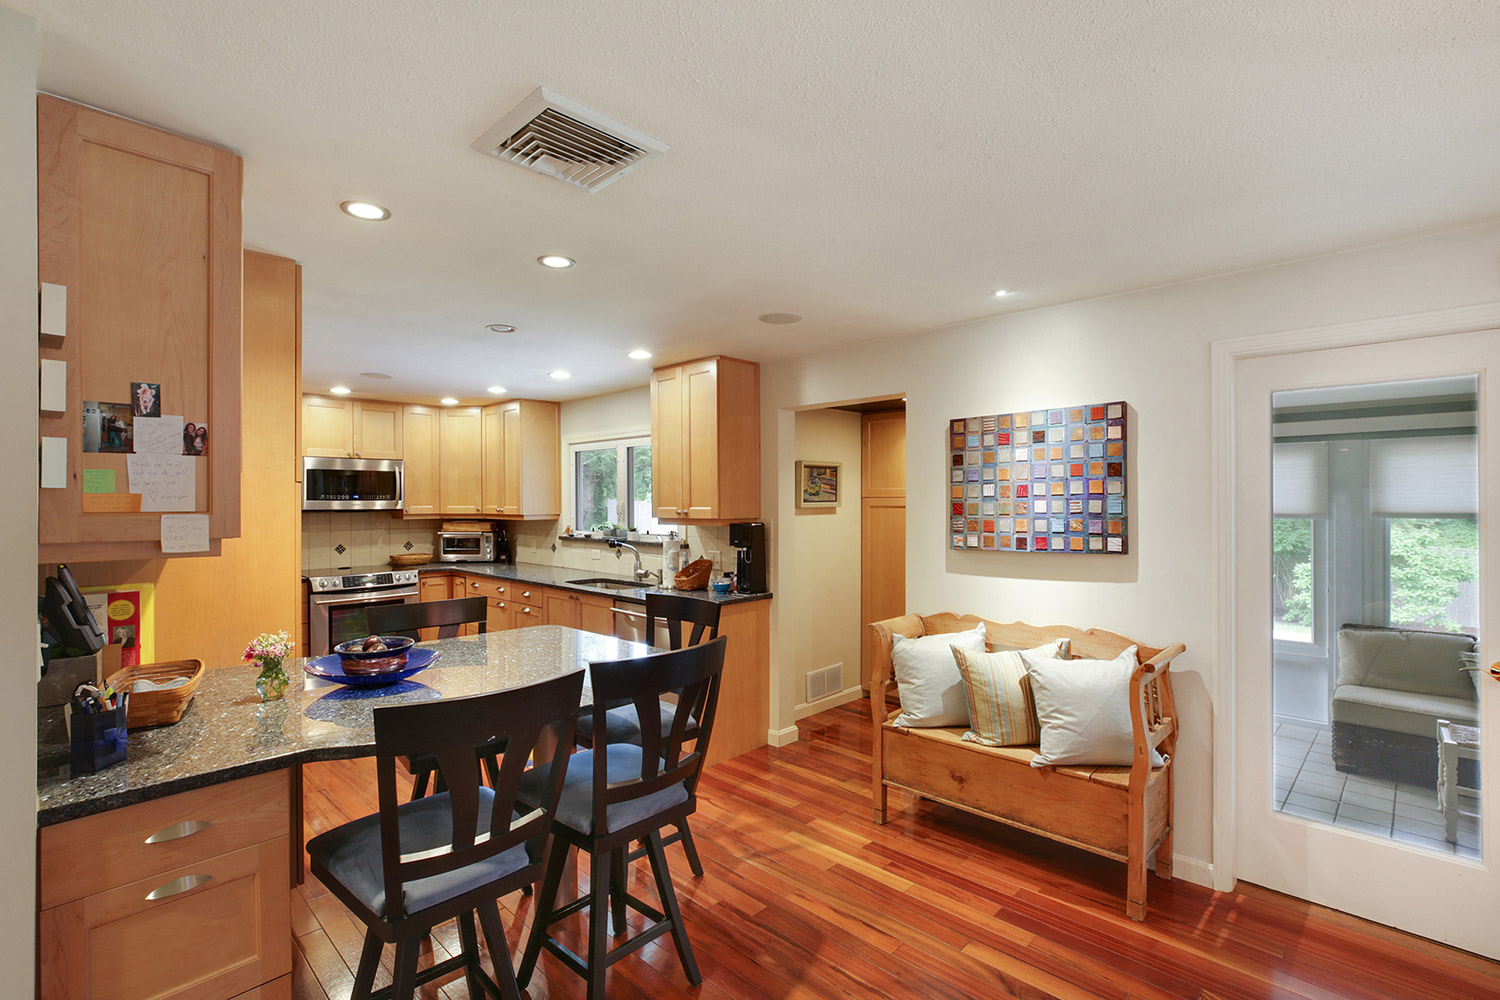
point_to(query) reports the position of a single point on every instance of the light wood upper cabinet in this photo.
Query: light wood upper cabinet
(459, 467)
(522, 460)
(705, 441)
(350, 428)
(143, 229)
(883, 465)
(419, 448)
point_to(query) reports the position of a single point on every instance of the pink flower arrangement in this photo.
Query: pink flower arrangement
(268, 648)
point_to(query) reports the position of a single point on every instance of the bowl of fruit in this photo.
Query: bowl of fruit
(374, 654)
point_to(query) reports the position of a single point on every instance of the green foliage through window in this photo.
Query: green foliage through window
(1431, 559)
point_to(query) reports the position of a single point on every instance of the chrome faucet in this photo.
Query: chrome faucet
(643, 575)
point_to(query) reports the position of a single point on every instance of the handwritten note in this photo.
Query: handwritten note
(184, 533)
(111, 503)
(158, 435)
(165, 482)
(98, 480)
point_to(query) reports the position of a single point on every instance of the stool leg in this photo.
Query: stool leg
(669, 904)
(494, 935)
(599, 870)
(404, 979)
(546, 902)
(419, 784)
(369, 961)
(471, 954)
(689, 848)
(617, 874)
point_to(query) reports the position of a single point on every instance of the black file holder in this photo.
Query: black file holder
(97, 740)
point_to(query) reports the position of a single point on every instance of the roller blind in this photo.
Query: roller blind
(1299, 479)
(1424, 476)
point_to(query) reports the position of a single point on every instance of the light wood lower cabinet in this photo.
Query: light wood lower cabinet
(180, 898)
(590, 612)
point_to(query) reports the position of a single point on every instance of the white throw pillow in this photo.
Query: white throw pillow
(1084, 710)
(927, 678)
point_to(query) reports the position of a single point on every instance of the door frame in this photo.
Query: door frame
(1224, 356)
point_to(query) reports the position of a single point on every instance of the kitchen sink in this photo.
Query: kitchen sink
(609, 583)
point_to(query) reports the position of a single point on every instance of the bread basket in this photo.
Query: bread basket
(405, 559)
(157, 708)
(694, 576)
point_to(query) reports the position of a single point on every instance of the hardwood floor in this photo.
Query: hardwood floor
(803, 897)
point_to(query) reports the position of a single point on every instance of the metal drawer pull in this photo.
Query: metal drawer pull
(177, 831)
(627, 614)
(178, 885)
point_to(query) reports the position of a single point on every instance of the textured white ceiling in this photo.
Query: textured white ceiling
(878, 166)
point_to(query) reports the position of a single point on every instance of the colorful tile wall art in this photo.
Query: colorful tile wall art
(1048, 480)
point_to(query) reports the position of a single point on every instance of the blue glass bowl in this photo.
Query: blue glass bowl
(331, 668)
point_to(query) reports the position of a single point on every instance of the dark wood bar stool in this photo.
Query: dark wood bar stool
(412, 866)
(409, 620)
(670, 613)
(618, 793)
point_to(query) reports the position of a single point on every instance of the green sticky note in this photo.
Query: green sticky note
(98, 480)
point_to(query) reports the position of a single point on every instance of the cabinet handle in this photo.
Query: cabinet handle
(177, 885)
(525, 611)
(177, 831)
(525, 593)
(474, 585)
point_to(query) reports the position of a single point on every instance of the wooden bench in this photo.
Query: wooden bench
(1123, 813)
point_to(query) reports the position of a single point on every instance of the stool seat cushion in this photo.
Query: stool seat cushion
(351, 854)
(575, 809)
(623, 725)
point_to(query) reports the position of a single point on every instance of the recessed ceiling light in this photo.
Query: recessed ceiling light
(367, 210)
(448, 401)
(639, 355)
(555, 260)
(339, 390)
(780, 319)
(496, 390)
(375, 375)
(1001, 293)
(500, 328)
(560, 375)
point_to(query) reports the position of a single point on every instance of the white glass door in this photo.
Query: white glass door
(1366, 478)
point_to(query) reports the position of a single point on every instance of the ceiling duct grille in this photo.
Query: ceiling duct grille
(563, 139)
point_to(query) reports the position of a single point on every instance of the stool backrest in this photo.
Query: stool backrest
(672, 611)
(694, 673)
(453, 730)
(410, 619)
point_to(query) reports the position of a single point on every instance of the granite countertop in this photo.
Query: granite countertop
(558, 577)
(228, 733)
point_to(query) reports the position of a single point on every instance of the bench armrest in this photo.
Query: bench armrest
(1153, 711)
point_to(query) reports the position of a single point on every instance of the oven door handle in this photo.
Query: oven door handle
(322, 600)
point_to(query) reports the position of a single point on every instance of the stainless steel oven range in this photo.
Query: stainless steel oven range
(337, 604)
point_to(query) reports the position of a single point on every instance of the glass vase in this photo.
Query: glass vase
(272, 681)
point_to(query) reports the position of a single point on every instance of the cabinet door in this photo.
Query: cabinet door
(700, 409)
(528, 614)
(143, 228)
(433, 588)
(883, 464)
(419, 447)
(667, 442)
(215, 928)
(492, 461)
(327, 427)
(459, 462)
(561, 608)
(377, 430)
(510, 479)
(498, 616)
(596, 614)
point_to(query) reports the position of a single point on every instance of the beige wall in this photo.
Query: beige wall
(1150, 348)
(826, 544)
(18, 456)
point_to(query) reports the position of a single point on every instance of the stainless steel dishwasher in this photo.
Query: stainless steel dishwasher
(630, 621)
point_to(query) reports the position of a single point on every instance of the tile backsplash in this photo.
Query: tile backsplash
(370, 538)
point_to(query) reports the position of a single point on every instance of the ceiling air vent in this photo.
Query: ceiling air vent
(563, 139)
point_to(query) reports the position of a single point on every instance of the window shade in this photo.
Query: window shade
(1299, 479)
(1424, 476)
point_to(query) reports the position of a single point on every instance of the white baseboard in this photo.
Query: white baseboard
(781, 737)
(807, 708)
(1194, 870)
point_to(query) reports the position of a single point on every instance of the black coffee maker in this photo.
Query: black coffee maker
(749, 539)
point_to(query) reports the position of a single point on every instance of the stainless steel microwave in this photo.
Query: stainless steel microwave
(351, 484)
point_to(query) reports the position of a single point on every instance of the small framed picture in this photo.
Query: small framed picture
(819, 485)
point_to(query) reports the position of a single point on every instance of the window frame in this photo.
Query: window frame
(623, 443)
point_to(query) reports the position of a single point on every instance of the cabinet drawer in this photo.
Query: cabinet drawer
(209, 930)
(475, 586)
(528, 614)
(90, 855)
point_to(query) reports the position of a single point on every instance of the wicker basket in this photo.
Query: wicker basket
(411, 559)
(694, 576)
(158, 708)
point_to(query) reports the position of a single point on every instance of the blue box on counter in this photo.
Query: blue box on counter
(97, 740)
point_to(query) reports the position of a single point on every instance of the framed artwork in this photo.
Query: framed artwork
(1050, 481)
(819, 485)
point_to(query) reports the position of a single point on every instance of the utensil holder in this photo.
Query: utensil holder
(97, 741)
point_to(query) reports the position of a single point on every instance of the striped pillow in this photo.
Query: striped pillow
(1001, 710)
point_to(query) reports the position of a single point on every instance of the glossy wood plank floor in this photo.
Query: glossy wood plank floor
(804, 897)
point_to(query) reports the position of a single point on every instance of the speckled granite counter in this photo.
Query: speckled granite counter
(228, 733)
(559, 577)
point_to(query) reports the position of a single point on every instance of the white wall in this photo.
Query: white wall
(18, 456)
(1150, 348)
(826, 544)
